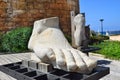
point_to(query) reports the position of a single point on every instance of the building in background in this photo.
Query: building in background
(20, 13)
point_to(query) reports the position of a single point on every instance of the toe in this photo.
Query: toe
(70, 61)
(51, 56)
(82, 67)
(60, 58)
(46, 55)
(89, 62)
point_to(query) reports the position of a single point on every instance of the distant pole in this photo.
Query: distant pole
(101, 20)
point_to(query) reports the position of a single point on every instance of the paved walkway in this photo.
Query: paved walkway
(115, 38)
(114, 65)
(11, 58)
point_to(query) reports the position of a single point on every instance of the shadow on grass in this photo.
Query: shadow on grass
(103, 62)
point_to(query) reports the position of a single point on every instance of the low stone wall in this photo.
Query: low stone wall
(18, 13)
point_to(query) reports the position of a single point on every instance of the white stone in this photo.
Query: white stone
(33, 64)
(45, 67)
(79, 34)
(25, 63)
(50, 46)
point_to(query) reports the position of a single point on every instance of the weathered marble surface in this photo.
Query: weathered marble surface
(79, 34)
(50, 46)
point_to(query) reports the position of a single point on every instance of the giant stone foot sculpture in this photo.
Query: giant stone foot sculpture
(50, 46)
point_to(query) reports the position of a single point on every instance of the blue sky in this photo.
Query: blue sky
(109, 10)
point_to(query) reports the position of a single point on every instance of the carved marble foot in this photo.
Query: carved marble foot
(50, 46)
(66, 59)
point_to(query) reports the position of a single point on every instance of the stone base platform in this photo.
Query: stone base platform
(31, 70)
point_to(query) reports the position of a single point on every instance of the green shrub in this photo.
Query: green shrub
(98, 39)
(111, 49)
(93, 33)
(16, 40)
(94, 39)
(104, 37)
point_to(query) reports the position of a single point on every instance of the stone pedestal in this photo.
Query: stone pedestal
(43, 67)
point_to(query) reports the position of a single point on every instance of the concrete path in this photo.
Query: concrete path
(113, 64)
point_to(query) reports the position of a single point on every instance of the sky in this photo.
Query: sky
(109, 10)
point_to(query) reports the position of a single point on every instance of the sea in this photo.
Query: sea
(110, 32)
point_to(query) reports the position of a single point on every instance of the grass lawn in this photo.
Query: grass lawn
(111, 49)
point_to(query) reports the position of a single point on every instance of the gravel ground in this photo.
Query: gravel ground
(113, 64)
